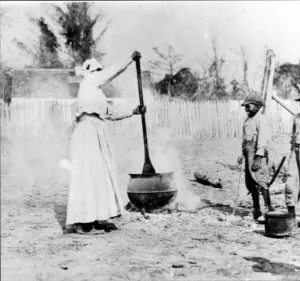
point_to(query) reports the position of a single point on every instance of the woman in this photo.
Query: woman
(93, 195)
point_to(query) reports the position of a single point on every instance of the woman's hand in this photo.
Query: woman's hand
(135, 55)
(139, 110)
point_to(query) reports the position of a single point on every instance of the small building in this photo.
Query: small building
(43, 83)
(57, 83)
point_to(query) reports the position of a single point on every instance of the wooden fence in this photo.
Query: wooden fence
(181, 119)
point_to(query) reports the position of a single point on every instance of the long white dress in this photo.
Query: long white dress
(93, 193)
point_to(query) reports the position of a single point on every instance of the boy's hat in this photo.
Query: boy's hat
(253, 98)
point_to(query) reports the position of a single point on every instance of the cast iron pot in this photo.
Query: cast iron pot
(152, 191)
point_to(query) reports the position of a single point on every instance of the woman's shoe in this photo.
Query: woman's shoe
(69, 229)
(88, 229)
(104, 225)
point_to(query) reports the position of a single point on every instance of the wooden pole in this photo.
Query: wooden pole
(267, 85)
(281, 102)
(269, 71)
(148, 167)
(264, 82)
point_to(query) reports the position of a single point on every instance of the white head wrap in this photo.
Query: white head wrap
(90, 65)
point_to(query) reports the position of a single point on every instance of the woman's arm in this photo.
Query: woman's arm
(121, 111)
(117, 112)
(108, 74)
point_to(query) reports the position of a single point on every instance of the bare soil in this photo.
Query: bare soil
(200, 241)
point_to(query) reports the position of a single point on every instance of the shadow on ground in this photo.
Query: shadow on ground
(227, 209)
(181, 207)
(276, 268)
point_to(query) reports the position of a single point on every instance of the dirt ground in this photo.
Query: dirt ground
(207, 244)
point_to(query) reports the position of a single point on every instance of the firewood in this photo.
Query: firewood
(208, 180)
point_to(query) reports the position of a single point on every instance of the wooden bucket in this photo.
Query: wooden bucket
(278, 223)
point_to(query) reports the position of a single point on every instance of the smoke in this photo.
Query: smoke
(43, 83)
(65, 164)
(167, 159)
(30, 160)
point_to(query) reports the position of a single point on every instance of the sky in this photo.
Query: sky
(189, 26)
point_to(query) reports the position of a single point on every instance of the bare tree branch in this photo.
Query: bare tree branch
(99, 37)
(167, 62)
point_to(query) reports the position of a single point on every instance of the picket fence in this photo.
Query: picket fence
(181, 119)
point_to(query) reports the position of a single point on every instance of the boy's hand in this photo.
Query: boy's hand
(240, 160)
(292, 142)
(256, 163)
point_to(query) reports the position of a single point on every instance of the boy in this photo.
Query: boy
(254, 147)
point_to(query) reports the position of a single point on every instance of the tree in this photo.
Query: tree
(5, 71)
(44, 50)
(211, 84)
(32, 50)
(166, 63)
(204, 84)
(238, 91)
(2, 13)
(245, 68)
(4, 20)
(48, 46)
(215, 72)
(182, 84)
(78, 43)
(77, 26)
(287, 80)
